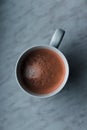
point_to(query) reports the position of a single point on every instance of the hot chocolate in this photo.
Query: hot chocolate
(41, 71)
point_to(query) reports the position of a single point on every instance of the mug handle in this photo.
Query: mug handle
(57, 38)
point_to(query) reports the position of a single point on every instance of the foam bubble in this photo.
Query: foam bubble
(33, 71)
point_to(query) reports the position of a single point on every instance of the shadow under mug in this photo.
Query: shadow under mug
(54, 44)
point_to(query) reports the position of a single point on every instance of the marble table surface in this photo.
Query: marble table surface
(24, 23)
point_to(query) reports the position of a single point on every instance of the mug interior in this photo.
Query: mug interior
(59, 54)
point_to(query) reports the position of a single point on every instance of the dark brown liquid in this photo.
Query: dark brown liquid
(41, 71)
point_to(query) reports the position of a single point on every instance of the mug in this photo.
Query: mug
(54, 44)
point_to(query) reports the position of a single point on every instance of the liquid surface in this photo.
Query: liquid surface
(41, 71)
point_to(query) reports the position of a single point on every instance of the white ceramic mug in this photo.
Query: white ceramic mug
(54, 44)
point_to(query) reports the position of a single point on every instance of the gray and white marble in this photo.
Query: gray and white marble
(24, 23)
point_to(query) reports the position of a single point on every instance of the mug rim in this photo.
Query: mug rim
(66, 73)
